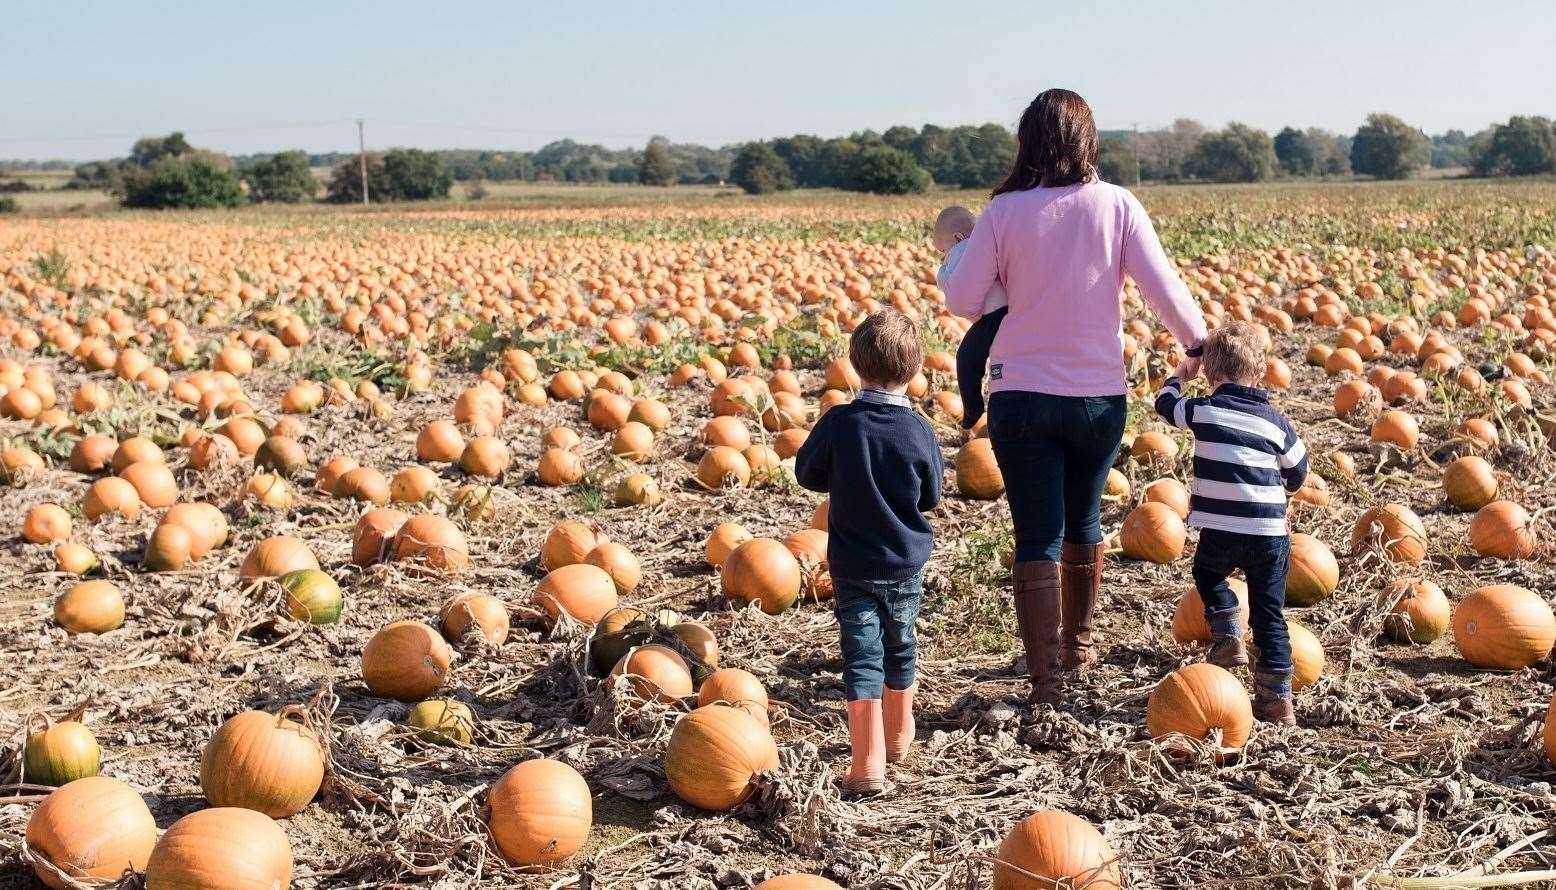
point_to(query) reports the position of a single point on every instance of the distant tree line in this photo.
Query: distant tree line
(169, 172)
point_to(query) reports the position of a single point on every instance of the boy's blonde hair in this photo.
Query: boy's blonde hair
(885, 349)
(1234, 353)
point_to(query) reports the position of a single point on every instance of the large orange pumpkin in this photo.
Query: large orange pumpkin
(585, 592)
(479, 612)
(723, 467)
(619, 563)
(406, 660)
(1395, 528)
(735, 687)
(439, 442)
(223, 848)
(1307, 656)
(205, 522)
(539, 812)
(1167, 491)
(265, 762)
(373, 537)
(111, 494)
(714, 753)
(798, 882)
(723, 541)
(1312, 573)
(977, 472)
(1052, 848)
(1470, 483)
(657, 673)
(90, 607)
(1419, 611)
(275, 556)
(1502, 529)
(1153, 532)
(762, 570)
(95, 827)
(568, 542)
(432, 540)
(1198, 701)
(1504, 627)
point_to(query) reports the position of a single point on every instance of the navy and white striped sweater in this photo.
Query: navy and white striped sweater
(1247, 457)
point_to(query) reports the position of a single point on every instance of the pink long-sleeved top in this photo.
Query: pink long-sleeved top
(1062, 254)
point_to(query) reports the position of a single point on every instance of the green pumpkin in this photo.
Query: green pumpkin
(617, 633)
(60, 754)
(443, 721)
(312, 596)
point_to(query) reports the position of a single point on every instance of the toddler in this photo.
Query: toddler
(1248, 461)
(952, 227)
(878, 461)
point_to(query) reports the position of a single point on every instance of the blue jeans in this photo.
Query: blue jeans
(876, 621)
(1055, 453)
(1263, 559)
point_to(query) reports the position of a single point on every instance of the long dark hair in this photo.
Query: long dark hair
(1056, 144)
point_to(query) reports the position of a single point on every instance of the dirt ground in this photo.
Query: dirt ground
(1406, 761)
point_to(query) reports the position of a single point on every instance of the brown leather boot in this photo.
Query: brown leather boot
(1037, 595)
(1082, 577)
(1272, 701)
(1227, 651)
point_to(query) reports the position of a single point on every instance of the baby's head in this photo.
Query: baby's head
(1235, 353)
(886, 351)
(953, 225)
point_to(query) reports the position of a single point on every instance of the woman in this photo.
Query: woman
(1061, 242)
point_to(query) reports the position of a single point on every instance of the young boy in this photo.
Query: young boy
(952, 227)
(880, 464)
(1247, 462)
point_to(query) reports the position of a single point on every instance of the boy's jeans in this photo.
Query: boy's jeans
(1263, 559)
(876, 620)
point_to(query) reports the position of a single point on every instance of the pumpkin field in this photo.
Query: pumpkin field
(458, 547)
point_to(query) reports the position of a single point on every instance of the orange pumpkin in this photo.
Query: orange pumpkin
(485, 456)
(1199, 701)
(540, 812)
(737, 687)
(619, 563)
(433, 541)
(372, 539)
(45, 524)
(1188, 618)
(265, 762)
(94, 827)
(90, 607)
(714, 753)
(568, 542)
(478, 612)
(111, 495)
(1153, 532)
(722, 541)
(657, 673)
(406, 660)
(1470, 483)
(723, 467)
(763, 571)
(977, 472)
(227, 847)
(1419, 612)
(206, 523)
(1502, 529)
(798, 882)
(559, 467)
(439, 442)
(585, 592)
(1167, 491)
(1312, 574)
(275, 556)
(1052, 848)
(1504, 627)
(1394, 528)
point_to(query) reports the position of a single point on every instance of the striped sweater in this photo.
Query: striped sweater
(1247, 457)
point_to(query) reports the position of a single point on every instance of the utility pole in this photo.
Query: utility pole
(362, 158)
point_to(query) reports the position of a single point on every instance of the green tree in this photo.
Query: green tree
(1524, 146)
(1163, 153)
(1116, 161)
(345, 185)
(1238, 153)
(759, 170)
(198, 179)
(411, 174)
(1296, 152)
(283, 178)
(900, 137)
(149, 150)
(8, 204)
(656, 166)
(1386, 147)
(883, 170)
(804, 156)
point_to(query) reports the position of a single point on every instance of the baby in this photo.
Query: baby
(952, 228)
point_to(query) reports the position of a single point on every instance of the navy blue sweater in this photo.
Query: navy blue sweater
(1247, 457)
(881, 466)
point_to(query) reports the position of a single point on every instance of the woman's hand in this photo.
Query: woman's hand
(1187, 369)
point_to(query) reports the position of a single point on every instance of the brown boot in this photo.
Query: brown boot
(1272, 698)
(1227, 651)
(1037, 594)
(1082, 578)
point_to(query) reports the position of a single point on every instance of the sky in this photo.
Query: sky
(84, 79)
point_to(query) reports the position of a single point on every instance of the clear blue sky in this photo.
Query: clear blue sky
(84, 78)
